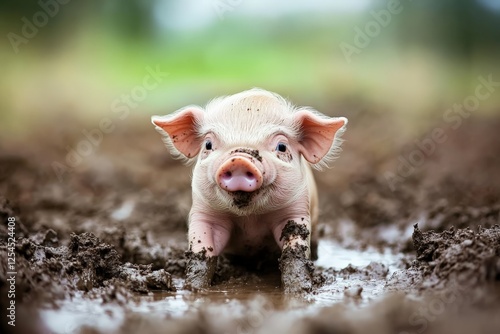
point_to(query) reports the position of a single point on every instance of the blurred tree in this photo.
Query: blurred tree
(131, 19)
(452, 28)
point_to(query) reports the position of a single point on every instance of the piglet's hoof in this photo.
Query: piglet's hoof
(296, 270)
(199, 270)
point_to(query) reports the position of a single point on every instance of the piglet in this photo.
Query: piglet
(253, 189)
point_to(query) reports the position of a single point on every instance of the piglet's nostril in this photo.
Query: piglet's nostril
(250, 175)
(228, 174)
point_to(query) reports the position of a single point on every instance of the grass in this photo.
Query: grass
(92, 69)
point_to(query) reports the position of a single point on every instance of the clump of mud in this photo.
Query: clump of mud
(253, 153)
(467, 257)
(242, 199)
(459, 260)
(293, 230)
(136, 247)
(48, 270)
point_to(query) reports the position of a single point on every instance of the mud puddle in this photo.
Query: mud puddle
(349, 274)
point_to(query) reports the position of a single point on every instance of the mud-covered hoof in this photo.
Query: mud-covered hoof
(199, 271)
(296, 270)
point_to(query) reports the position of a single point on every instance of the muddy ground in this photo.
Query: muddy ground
(100, 248)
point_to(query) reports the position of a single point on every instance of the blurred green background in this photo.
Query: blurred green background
(84, 55)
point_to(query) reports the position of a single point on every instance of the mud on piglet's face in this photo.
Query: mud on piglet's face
(247, 176)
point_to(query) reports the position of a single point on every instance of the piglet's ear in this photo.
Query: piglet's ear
(181, 128)
(318, 134)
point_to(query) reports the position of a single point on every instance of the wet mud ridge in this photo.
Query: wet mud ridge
(49, 269)
(454, 259)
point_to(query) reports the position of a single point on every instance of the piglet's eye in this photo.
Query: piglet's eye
(281, 147)
(208, 145)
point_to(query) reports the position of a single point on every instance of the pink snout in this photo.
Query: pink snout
(239, 174)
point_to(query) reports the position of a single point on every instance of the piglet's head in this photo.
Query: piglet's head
(251, 149)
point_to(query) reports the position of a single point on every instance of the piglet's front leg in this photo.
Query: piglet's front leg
(206, 241)
(200, 270)
(295, 264)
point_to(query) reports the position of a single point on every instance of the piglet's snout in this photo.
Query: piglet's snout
(239, 174)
